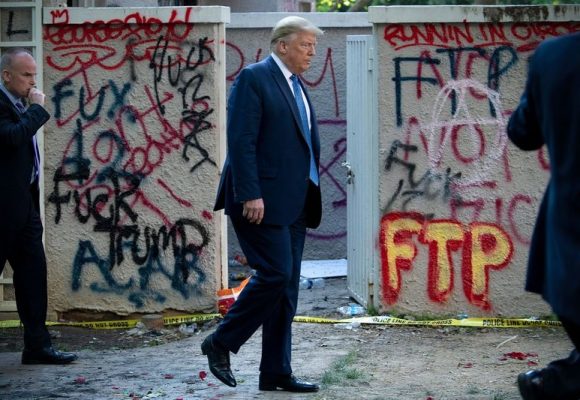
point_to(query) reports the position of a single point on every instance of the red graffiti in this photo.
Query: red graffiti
(60, 17)
(484, 246)
(445, 35)
(133, 27)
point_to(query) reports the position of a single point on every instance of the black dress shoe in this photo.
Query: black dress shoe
(47, 355)
(531, 385)
(219, 361)
(288, 383)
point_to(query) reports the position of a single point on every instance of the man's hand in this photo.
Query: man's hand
(35, 96)
(254, 210)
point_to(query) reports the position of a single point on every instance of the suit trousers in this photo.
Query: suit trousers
(23, 249)
(271, 296)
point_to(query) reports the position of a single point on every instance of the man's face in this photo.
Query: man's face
(20, 77)
(297, 52)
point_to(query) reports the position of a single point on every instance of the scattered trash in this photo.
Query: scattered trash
(80, 380)
(227, 297)
(187, 329)
(462, 315)
(138, 330)
(168, 376)
(532, 363)
(505, 341)
(351, 309)
(54, 334)
(309, 283)
(348, 325)
(465, 365)
(202, 375)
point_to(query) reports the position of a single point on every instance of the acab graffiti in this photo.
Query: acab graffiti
(483, 247)
(122, 165)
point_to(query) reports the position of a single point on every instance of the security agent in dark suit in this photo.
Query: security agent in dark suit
(549, 113)
(270, 190)
(20, 224)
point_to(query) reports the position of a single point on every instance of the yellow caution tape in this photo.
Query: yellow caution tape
(128, 323)
(379, 320)
(465, 322)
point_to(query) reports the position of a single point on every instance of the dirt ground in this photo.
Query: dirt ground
(350, 362)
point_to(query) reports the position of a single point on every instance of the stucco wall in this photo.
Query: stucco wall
(458, 201)
(248, 40)
(472, 196)
(132, 157)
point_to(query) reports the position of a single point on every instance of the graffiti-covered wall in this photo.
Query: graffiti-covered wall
(458, 201)
(248, 41)
(132, 157)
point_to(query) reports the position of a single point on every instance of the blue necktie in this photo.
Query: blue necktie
(305, 127)
(36, 169)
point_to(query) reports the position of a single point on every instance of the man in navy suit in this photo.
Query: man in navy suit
(270, 190)
(549, 113)
(20, 224)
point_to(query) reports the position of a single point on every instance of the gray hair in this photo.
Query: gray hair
(292, 25)
(9, 55)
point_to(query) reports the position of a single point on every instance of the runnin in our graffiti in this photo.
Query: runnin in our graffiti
(270, 190)
(21, 115)
(548, 114)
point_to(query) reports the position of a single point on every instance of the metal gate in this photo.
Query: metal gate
(362, 170)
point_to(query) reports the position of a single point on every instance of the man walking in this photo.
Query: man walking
(270, 190)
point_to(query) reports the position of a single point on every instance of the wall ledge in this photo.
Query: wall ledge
(134, 15)
(474, 14)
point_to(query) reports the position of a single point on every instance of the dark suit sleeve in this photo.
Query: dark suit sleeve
(16, 131)
(244, 117)
(524, 125)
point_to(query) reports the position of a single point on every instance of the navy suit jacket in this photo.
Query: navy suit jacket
(549, 113)
(268, 156)
(17, 161)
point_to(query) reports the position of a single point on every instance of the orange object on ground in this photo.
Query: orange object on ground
(227, 297)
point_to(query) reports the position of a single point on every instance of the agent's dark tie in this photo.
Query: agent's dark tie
(305, 127)
(36, 169)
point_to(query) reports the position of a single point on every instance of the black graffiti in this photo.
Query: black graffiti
(185, 75)
(148, 249)
(429, 186)
(9, 31)
(112, 213)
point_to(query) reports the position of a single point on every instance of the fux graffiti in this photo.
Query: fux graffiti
(123, 165)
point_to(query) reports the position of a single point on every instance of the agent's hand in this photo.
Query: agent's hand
(35, 96)
(254, 210)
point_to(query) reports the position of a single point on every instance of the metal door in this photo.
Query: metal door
(362, 170)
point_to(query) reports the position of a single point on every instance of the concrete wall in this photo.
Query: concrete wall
(450, 183)
(248, 41)
(458, 201)
(132, 157)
